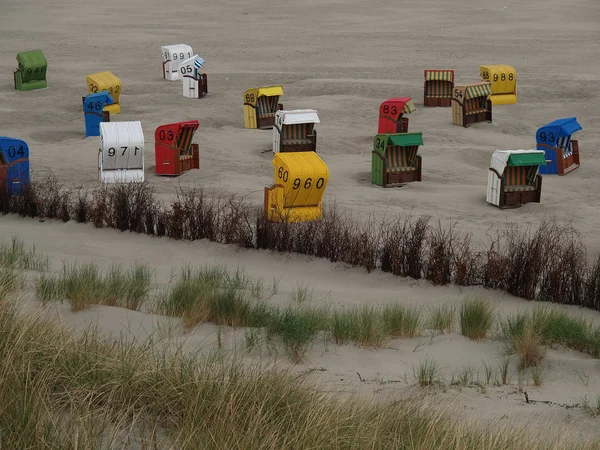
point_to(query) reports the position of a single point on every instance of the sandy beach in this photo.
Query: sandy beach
(342, 58)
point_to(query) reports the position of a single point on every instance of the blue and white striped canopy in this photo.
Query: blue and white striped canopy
(198, 62)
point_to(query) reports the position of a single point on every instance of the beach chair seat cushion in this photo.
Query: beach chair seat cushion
(296, 141)
(519, 188)
(402, 169)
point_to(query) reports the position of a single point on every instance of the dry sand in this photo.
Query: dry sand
(342, 58)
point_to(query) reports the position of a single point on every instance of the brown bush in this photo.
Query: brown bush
(549, 264)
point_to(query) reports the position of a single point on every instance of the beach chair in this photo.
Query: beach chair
(438, 87)
(504, 83)
(562, 151)
(106, 82)
(31, 71)
(513, 178)
(172, 55)
(395, 159)
(260, 106)
(93, 112)
(294, 131)
(194, 82)
(173, 148)
(471, 104)
(14, 165)
(391, 115)
(121, 154)
(300, 179)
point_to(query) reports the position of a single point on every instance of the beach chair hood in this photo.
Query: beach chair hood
(503, 158)
(560, 128)
(300, 116)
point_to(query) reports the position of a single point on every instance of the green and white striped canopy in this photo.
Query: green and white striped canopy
(478, 90)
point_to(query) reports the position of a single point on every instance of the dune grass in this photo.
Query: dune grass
(402, 322)
(66, 391)
(217, 295)
(528, 334)
(87, 285)
(426, 372)
(442, 318)
(476, 318)
(15, 255)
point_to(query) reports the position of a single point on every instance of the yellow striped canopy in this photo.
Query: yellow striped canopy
(439, 75)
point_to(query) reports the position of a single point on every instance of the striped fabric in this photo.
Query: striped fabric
(297, 133)
(564, 143)
(198, 62)
(478, 90)
(274, 103)
(264, 108)
(520, 179)
(184, 141)
(401, 159)
(408, 108)
(439, 75)
(475, 105)
(438, 89)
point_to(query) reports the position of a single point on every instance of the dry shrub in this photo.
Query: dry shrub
(565, 271)
(440, 253)
(82, 207)
(591, 298)
(99, 206)
(403, 246)
(467, 265)
(50, 196)
(528, 346)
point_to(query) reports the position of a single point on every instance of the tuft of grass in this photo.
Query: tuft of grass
(553, 327)
(537, 374)
(86, 285)
(252, 337)
(427, 372)
(442, 318)
(504, 367)
(15, 255)
(217, 295)
(528, 345)
(476, 318)
(489, 372)
(302, 293)
(402, 322)
(558, 327)
(9, 281)
(297, 328)
(591, 407)
(363, 325)
(466, 377)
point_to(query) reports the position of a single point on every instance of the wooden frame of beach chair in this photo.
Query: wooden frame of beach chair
(395, 160)
(438, 87)
(173, 148)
